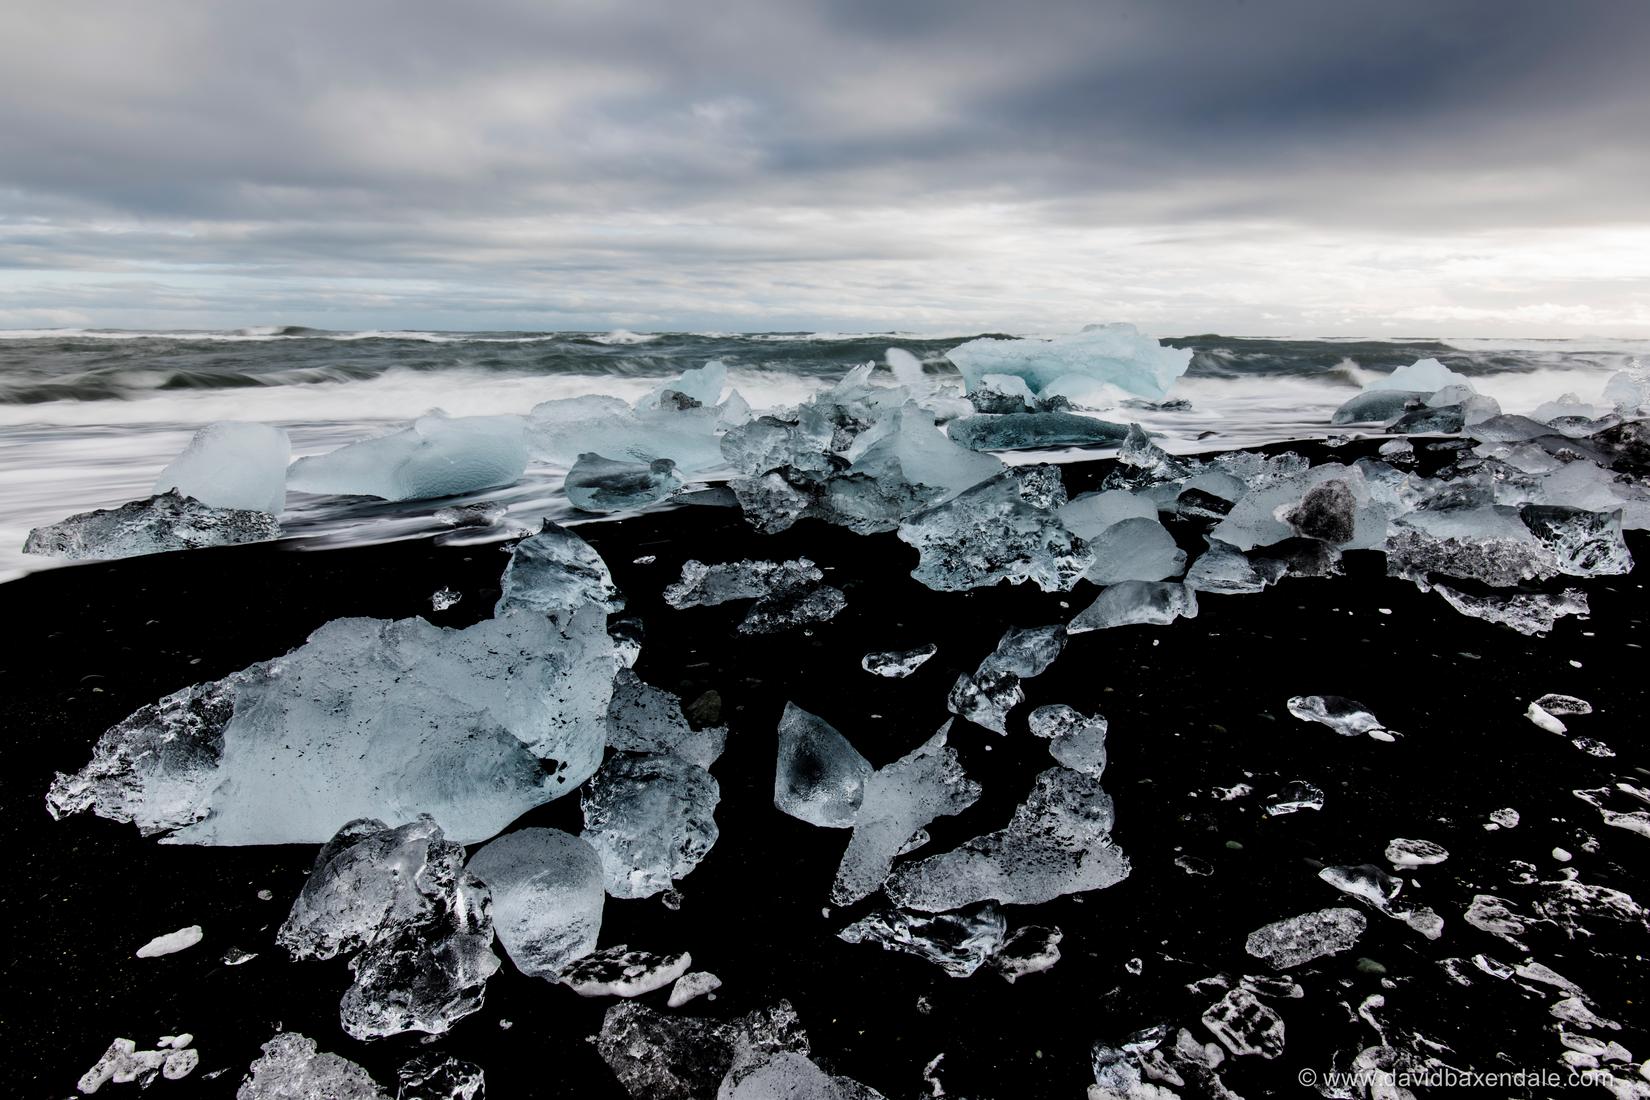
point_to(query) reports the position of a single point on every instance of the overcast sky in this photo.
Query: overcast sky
(1273, 167)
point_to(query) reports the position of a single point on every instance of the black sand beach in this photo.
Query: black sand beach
(1194, 708)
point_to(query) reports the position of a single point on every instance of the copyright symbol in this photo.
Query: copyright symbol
(1307, 1077)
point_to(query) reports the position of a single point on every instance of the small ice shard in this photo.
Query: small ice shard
(234, 465)
(548, 890)
(1421, 376)
(444, 598)
(1018, 431)
(238, 956)
(1075, 739)
(1244, 1025)
(1506, 818)
(819, 777)
(790, 1076)
(438, 456)
(659, 1056)
(1142, 463)
(369, 718)
(1030, 949)
(292, 1067)
(691, 985)
(642, 718)
(1310, 936)
(957, 942)
(1345, 716)
(899, 801)
(1135, 550)
(420, 925)
(620, 972)
(1003, 528)
(1539, 716)
(787, 593)
(650, 817)
(1223, 571)
(986, 697)
(1117, 355)
(1294, 796)
(601, 485)
(553, 571)
(157, 525)
(1137, 603)
(1058, 842)
(1564, 704)
(1526, 612)
(1403, 853)
(171, 943)
(785, 610)
(434, 1076)
(897, 664)
(1366, 882)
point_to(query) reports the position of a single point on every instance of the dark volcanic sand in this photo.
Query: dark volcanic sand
(1194, 706)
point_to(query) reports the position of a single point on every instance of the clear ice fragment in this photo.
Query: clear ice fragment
(897, 664)
(819, 777)
(958, 943)
(157, 525)
(601, 485)
(292, 1067)
(1296, 940)
(1137, 603)
(548, 889)
(1345, 716)
(234, 465)
(438, 456)
(649, 816)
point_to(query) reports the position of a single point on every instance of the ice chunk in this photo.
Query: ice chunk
(819, 777)
(1222, 570)
(1564, 704)
(435, 1076)
(171, 943)
(1414, 853)
(1426, 421)
(555, 571)
(1244, 1025)
(1368, 883)
(986, 697)
(650, 818)
(1543, 720)
(1376, 406)
(899, 801)
(154, 526)
(787, 593)
(1331, 502)
(958, 943)
(1525, 612)
(1030, 949)
(368, 718)
(698, 385)
(597, 484)
(1135, 550)
(123, 1063)
(1585, 544)
(1328, 512)
(548, 889)
(1136, 603)
(620, 972)
(689, 986)
(1088, 515)
(421, 926)
(897, 664)
(443, 599)
(1345, 716)
(673, 1057)
(789, 1076)
(1142, 463)
(785, 610)
(439, 456)
(1423, 376)
(1019, 431)
(1058, 842)
(1004, 528)
(642, 718)
(233, 465)
(1117, 355)
(1310, 936)
(292, 1067)
(1076, 740)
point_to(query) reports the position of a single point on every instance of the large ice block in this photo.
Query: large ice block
(232, 464)
(1113, 355)
(438, 456)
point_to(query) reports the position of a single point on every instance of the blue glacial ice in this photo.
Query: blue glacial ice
(438, 456)
(231, 464)
(1079, 365)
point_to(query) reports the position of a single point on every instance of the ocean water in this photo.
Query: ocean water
(89, 418)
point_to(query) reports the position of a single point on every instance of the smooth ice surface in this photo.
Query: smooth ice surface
(1135, 550)
(1421, 376)
(1221, 569)
(620, 972)
(556, 571)
(958, 943)
(1058, 842)
(1091, 513)
(369, 718)
(1004, 528)
(293, 1067)
(819, 776)
(1376, 406)
(1402, 852)
(602, 485)
(231, 464)
(643, 718)
(650, 817)
(1297, 940)
(171, 943)
(559, 431)
(156, 525)
(1019, 431)
(1137, 603)
(438, 456)
(691, 986)
(897, 664)
(1075, 739)
(898, 802)
(548, 890)
(1117, 355)
(420, 927)
(1345, 716)
(986, 697)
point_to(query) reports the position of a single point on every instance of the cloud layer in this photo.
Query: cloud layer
(1287, 166)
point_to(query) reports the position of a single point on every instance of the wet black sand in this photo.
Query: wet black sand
(1192, 707)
